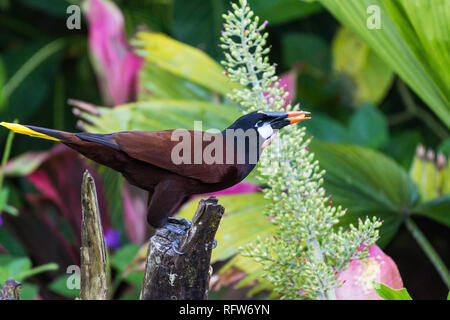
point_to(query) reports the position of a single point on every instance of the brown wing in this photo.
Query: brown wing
(167, 150)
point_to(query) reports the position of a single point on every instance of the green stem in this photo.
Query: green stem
(6, 154)
(429, 251)
(31, 64)
(31, 272)
(415, 110)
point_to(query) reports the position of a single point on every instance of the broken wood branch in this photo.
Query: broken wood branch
(94, 284)
(182, 275)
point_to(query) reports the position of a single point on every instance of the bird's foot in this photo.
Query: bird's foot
(178, 225)
(175, 246)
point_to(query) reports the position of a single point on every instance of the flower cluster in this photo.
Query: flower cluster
(244, 40)
(307, 253)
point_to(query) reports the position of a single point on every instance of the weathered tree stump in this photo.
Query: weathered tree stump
(94, 284)
(170, 275)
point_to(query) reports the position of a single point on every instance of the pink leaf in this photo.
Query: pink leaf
(359, 275)
(116, 65)
(288, 81)
(59, 180)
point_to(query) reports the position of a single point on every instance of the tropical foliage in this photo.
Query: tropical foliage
(374, 96)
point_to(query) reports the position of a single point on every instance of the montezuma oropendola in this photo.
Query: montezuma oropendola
(146, 158)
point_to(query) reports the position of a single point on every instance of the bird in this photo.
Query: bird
(172, 169)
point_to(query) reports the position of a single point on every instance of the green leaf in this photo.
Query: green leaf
(59, 285)
(282, 11)
(32, 67)
(437, 209)
(307, 49)
(28, 291)
(56, 8)
(183, 60)
(198, 23)
(4, 194)
(31, 64)
(4, 275)
(402, 146)
(368, 127)
(325, 128)
(2, 84)
(10, 243)
(156, 15)
(240, 225)
(18, 266)
(135, 277)
(444, 147)
(416, 49)
(161, 115)
(24, 164)
(158, 83)
(31, 272)
(365, 75)
(254, 271)
(123, 257)
(367, 183)
(112, 187)
(388, 293)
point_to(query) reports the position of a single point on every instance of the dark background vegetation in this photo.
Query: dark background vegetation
(301, 40)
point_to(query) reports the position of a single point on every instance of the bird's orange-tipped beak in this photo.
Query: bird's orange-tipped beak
(297, 116)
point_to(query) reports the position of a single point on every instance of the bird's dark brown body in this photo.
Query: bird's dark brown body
(145, 158)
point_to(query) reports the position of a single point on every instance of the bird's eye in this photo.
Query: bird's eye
(259, 123)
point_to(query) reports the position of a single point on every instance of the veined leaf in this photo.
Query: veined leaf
(367, 183)
(60, 286)
(437, 209)
(240, 225)
(254, 271)
(183, 60)
(413, 40)
(162, 115)
(368, 127)
(325, 128)
(370, 78)
(158, 83)
(25, 163)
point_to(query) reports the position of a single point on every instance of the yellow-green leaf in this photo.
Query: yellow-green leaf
(413, 39)
(240, 225)
(162, 115)
(369, 77)
(183, 60)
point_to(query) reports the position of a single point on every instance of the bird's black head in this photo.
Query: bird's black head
(266, 123)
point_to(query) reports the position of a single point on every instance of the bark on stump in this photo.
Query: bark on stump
(169, 275)
(94, 284)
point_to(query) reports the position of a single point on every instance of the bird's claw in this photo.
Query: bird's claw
(175, 245)
(177, 225)
(214, 244)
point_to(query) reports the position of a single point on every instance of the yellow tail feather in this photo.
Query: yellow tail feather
(25, 130)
